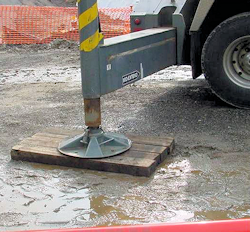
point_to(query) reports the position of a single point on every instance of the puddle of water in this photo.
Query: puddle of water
(238, 212)
(100, 207)
(182, 189)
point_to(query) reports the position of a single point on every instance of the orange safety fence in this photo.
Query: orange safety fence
(38, 25)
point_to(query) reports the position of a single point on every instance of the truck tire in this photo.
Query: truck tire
(226, 60)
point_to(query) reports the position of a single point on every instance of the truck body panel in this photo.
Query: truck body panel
(167, 13)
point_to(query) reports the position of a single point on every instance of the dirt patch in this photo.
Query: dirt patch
(207, 178)
(55, 44)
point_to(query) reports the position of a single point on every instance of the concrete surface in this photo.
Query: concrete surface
(207, 178)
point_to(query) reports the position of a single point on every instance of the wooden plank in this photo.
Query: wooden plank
(141, 160)
(148, 148)
(48, 135)
(147, 141)
(41, 141)
(151, 140)
(37, 140)
(50, 146)
(127, 165)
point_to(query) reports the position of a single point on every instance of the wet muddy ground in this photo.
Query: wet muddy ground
(206, 178)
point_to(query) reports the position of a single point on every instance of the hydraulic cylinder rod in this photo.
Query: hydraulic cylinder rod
(94, 143)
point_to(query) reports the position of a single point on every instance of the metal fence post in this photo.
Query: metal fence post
(94, 143)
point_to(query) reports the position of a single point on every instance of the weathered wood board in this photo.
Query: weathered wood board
(142, 159)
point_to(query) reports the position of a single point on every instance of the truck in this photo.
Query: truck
(213, 36)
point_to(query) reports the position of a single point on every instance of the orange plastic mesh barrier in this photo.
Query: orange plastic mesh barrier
(115, 21)
(31, 24)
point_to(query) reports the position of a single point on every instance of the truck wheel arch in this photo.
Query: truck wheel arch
(200, 14)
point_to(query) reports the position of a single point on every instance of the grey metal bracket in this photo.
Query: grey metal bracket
(129, 58)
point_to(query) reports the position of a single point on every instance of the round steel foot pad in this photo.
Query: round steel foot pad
(95, 143)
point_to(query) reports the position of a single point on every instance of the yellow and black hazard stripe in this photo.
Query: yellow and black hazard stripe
(85, 19)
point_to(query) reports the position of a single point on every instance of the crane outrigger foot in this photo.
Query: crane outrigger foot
(95, 143)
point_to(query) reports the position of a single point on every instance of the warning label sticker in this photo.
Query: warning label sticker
(131, 77)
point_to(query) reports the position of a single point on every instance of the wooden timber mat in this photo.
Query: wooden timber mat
(142, 159)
